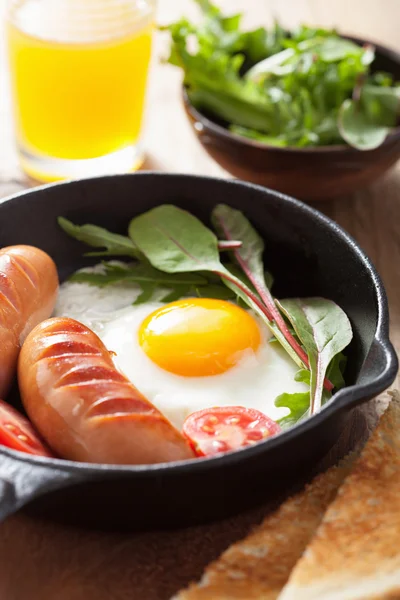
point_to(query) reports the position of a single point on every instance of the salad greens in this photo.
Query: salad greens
(231, 223)
(298, 404)
(308, 87)
(324, 330)
(113, 244)
(175, 241)
(178, 255)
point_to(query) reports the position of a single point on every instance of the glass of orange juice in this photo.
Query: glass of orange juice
(78, 76)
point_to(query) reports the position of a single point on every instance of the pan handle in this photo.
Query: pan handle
(377, 374)
(380, 367)
(22, 481)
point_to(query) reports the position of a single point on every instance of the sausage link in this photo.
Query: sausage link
(28, 292)
(84, 407)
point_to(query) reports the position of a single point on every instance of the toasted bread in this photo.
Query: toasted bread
(355, 554)
(260, 565)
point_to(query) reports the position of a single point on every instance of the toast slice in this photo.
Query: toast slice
(259, 566)
(355, 554)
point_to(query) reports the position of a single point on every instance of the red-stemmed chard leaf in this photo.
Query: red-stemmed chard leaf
(232, 224)
(325, 330)
(228, 244)
(174, 241)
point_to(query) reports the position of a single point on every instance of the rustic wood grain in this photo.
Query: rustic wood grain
(43, 561)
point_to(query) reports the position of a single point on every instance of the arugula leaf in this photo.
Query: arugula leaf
(146, 294)
(97, 279)
(114, 244)
(224, 32)
(325, 330)
(136, 272)
(219, 292)
(298, 404)
(178, 292)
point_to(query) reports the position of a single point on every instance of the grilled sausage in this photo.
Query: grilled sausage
(84, 407)
(28, 292)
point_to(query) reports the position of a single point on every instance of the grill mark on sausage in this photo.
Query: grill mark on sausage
(8, 292)
(69, 348)
(118, 405)
(68, 326)
(26, 268)
(82, 374)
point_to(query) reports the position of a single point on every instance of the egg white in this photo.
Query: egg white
(254, 383)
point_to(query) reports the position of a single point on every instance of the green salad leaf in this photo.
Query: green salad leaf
(137, 273)
(364, 123)
(358, 130)
(325, 330)
(284, 88)
(150, 280)
(175, 241)
(92, 235)
(175, 255)
(298, 404)
(336, 370)
(232, 224)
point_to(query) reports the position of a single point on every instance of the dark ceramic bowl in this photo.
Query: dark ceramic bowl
(318, 173)
(308, 255)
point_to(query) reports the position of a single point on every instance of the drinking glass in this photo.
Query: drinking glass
(78, 76)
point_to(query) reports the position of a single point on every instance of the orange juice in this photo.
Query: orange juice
(79, 71)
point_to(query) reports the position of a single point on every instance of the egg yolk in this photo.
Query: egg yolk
(198, 337)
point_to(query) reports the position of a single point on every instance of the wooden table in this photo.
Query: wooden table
(42, 561)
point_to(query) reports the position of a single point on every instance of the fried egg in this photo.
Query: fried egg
(187, 355)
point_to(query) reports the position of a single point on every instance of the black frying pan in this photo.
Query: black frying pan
(308, 255)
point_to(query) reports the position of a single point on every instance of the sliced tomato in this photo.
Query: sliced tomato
(17, 433)
(222, 429)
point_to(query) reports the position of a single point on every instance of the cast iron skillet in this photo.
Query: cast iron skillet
(308, 255)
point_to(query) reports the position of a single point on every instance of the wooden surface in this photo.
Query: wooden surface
(41, 561)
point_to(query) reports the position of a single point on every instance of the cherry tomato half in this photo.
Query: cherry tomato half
(17, 433)
(222, 429)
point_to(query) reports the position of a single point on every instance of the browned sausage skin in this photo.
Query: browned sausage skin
(28, 292)
(85, 408)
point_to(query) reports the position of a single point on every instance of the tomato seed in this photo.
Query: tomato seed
(207, 429)
(11, 427)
